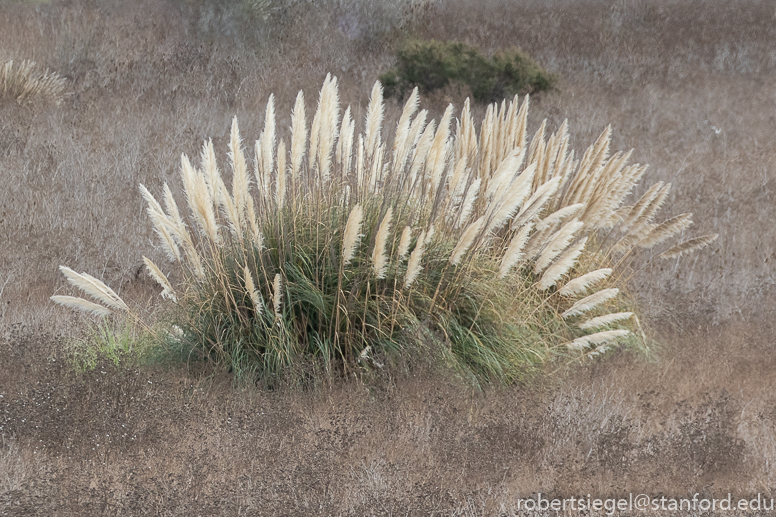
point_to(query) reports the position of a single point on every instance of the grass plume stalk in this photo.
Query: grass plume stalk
(473, 250)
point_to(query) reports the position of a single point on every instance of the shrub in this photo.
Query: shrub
(25, 82)
(430, 65)
(484, 252)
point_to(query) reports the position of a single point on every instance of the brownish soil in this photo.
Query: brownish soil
(689, 85)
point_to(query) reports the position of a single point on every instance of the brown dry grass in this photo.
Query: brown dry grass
(689, 85)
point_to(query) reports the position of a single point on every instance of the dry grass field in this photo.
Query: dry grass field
(690, 85)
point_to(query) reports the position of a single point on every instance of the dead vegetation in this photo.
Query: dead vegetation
(687, 85)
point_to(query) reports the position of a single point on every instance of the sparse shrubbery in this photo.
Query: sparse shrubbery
(24, 82)
(430, 65)
(486, 252)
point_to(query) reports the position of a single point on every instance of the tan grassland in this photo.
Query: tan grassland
(689, 85)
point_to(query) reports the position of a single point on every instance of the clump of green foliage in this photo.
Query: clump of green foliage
(481, 253)
(430, 65)
(108, 342)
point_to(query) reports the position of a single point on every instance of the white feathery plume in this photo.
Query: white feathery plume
(486, 153)
(177, 227)
(590, 168)
(94, 288)
(404, 242)
(240, 179)
(558, 216)
(374, 120)
(457, 185)
(468, 202)
(267, 140)
(413, 266)
(210, 168)
(513, 254)
(253, 221)
(466, 240)
(683, 248)
(596, 339)
(375, 173)
(429, 235)
(315, 127)
(228, 208)
(519, 124)
(413, 138)
(278, 295)
(642, 205)
(557, 243)
(437, 155)
(379, 257)
(463, 132)
(173, 214)
(605, 320)
(402, 142)
(199, 200)
(328, 111)
(562, 265)
(352, 234)
(506, 172)
(666, 230)
(590, 302)
(162, 225)
(253, 293)
(74, 302)
(536, 202)
(580, 284)
(509, 203)
(537, 143)
(345, 142)
(641, 224)
(298, 138)
(419, 157)
(360, 169)
(161, 279)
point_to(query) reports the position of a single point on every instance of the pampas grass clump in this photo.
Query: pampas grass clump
(472, 245)
(24, 82)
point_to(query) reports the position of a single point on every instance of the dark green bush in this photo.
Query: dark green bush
(431, 65)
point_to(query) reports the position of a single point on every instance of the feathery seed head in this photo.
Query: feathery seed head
(253, 293)
(352, 234)
(513, 254)
(74, 302)
(94, 288)
(597, 339)
(278, 295)
(404, 242)
(580, 284)
(298, 137)
(562, 265)
(590, 302)
(379, 257)
(467, 239)
(161, 279)
(606, 320)
(413, 266)
(683, 248)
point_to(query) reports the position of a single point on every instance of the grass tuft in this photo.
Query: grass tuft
(471, 250)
